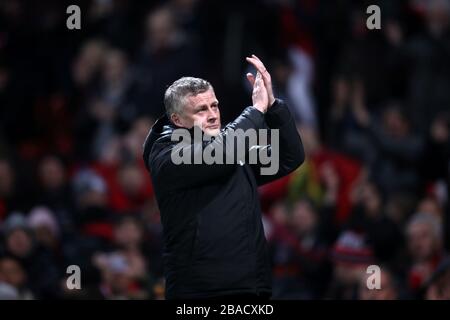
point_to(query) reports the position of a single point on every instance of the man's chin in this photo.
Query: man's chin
(212, 132)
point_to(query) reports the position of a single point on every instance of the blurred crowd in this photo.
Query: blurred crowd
(372, 107)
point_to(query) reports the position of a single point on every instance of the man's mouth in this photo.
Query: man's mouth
(216, 126)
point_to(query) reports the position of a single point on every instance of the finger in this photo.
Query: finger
(254, 56)
(251, 78)
(257, 64)
(260, 63)
(259, 78)
(263, 72)
(262, 69)
(259, 82)
(266, 74)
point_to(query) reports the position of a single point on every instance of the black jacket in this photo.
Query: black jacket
(214, 240)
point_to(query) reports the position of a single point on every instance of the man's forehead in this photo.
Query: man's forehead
(202, 98)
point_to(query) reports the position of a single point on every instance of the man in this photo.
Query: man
(211, 216)
(438, 286)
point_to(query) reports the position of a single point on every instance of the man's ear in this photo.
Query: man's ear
(175, 118)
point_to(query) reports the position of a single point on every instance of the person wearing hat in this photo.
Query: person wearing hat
(350, 255)
(13, 280)
(38, 263)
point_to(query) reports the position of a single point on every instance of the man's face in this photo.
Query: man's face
(421, 241)
(12, 273)
(201, 110)
(19, 243)
(387, 289)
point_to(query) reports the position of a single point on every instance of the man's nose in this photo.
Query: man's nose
(212, 115)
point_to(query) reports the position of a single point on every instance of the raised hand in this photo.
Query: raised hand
(260, 97)
(267, 79)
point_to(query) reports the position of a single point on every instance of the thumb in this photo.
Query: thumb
(251, 78)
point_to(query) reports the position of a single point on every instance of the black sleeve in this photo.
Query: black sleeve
(291, 152)
(189, 175)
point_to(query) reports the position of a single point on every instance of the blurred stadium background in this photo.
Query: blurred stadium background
(372, 107)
